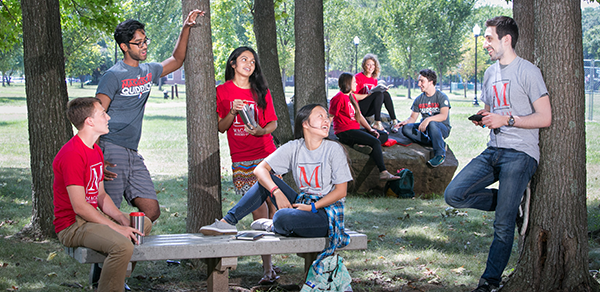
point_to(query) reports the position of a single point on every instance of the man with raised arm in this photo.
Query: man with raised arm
(516, 107)
(124, 90)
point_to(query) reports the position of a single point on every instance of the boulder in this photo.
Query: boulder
(428, 181)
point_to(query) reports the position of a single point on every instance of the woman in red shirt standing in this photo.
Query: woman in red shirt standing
(246, 87)
(370, 102)
(347, 119)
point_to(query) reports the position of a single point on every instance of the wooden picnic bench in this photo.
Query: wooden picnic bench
(220, 252)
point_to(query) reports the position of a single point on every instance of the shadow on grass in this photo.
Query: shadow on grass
(11, 99)
(164, 117)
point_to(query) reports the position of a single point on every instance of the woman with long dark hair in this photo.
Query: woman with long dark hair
(245, 92)
(370, 102)
(347, 119)
(320, 169)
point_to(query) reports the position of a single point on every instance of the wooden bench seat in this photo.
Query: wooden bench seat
(220, 252)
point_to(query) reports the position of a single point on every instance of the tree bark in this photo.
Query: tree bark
(555, 253)
(204, 164)
(526, 43)
(47, 100)
(310, 54)
(266, 42)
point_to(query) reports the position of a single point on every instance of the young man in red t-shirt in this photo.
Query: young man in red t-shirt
(79, 192)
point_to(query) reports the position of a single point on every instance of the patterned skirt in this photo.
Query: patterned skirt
(243, 175)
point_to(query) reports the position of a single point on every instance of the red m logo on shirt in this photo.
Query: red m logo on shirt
(306, 181)
(501, 98)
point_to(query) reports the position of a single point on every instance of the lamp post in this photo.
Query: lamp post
(356, 41)
(476, 32)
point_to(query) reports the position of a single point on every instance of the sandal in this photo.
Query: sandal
(268, 280)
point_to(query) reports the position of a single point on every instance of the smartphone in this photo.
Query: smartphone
(476, 118)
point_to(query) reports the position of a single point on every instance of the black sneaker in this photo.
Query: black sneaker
(484, 286)
(523, 215)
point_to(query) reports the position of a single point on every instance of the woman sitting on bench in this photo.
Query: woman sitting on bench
(321, 171)
(347, 120)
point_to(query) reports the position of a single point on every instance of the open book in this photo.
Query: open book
(381, 87)
(247, 116)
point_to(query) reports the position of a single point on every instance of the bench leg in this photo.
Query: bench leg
(309, 258)
(218, 273)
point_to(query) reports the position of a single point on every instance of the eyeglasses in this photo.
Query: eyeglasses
(140, 44)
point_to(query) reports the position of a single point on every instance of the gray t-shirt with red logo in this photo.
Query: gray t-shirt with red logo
(512, 90)
(315, 171)
(128, 88)
(429, 106)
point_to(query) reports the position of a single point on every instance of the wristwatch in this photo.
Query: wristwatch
(312, 208)
(511, 121)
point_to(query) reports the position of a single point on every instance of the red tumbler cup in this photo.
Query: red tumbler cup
(137, 221)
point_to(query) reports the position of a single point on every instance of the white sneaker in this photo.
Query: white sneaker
(218, 228)
(262, 224)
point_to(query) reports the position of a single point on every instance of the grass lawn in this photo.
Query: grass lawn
(413, 245)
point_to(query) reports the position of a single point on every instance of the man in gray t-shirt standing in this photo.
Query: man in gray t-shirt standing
(124, 90)
(434, 108)
(516, 107)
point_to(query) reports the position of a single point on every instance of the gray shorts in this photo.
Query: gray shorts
(133, 179)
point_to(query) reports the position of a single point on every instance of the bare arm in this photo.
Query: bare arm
(360, 97)
(176, 60)
(88, 213)
(104, 100)
(259, 131)
(413, 118)
(540, 118)
(442, 116)
(263, 175)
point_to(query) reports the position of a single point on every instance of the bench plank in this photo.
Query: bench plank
(198, 246)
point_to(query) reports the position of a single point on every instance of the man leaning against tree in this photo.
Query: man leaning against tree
(124, 90)
(516, 107)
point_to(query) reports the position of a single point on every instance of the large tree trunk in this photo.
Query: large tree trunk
(526, 43)
(47, 100)
(555, 252)
(204, 164)
(310, 54)
(266, 42)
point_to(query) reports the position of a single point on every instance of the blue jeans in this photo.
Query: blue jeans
(288, 222)
(513, 169)
(434, 136)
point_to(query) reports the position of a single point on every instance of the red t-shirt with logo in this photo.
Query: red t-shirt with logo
(344, 114)
(364, 83)
(243, 146)
(75, 164)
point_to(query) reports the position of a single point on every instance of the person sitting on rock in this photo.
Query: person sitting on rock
(434, 107)
(347, 120)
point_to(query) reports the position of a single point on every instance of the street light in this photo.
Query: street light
(476, 32)
(356, 41)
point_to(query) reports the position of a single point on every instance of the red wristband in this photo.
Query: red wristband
(274, 189)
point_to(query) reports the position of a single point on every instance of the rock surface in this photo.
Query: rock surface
(428, 181)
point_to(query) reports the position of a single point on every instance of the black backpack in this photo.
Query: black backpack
(401, 188)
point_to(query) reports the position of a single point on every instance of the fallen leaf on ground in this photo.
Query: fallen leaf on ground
(458, 270)
(51, 256)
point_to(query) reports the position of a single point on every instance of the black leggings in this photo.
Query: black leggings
(371, 105)
(361, 137)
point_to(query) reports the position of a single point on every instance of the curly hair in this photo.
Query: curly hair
(377, 66)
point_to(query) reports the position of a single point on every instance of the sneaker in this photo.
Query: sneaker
(436, 161)
(218, 228)
(523, 216)
(262, 224)
(484, 286)
(365, 149)
(386, 175)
